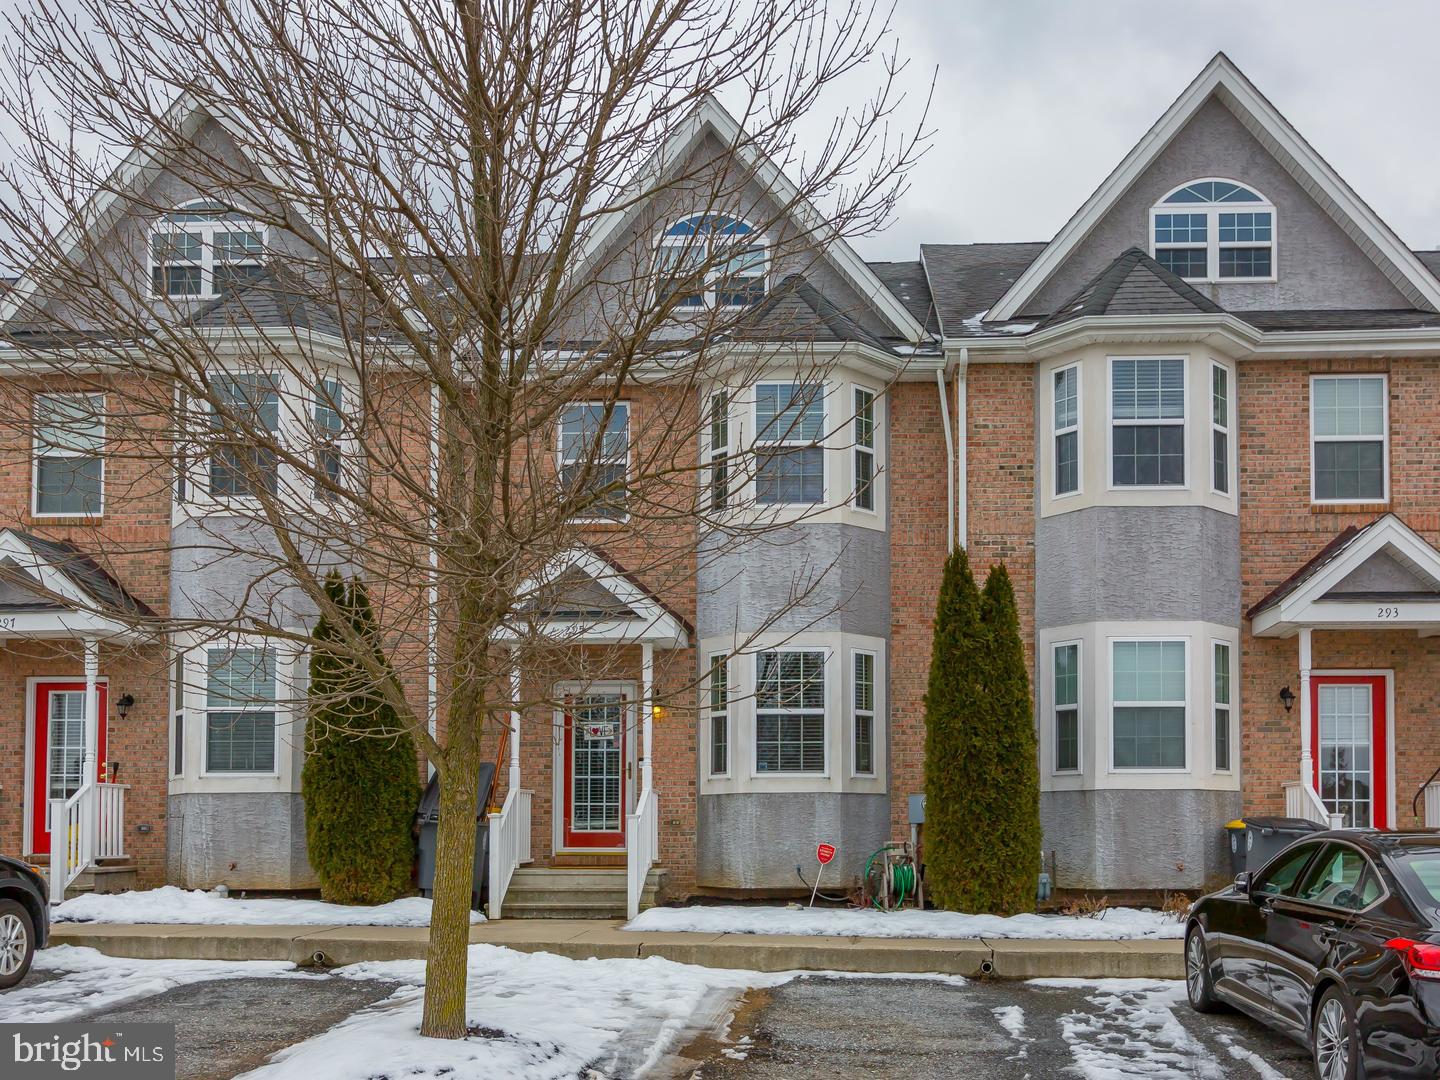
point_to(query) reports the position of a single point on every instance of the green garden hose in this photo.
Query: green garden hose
(903, 875)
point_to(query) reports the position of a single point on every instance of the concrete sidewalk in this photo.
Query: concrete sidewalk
(599, 938)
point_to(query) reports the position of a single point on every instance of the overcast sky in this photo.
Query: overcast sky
(1037, 100)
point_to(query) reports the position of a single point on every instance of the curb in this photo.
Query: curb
(336, 946)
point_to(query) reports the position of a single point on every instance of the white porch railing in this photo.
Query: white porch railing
(1432, 806)
(509, 846)
(642, 848)
(72, 839)
(110, 822)
(1302, 801)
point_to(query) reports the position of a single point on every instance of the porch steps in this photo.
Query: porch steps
(104, 877)
(543, 892)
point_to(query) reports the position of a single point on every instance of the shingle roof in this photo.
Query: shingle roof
(1134, 284)
(797, 311)
(88, 575)
(269, 302)
(966, 280)
(1340, 319)
(907, 281)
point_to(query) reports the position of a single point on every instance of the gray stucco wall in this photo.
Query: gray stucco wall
(1137, 562)
(1119, 839)
(842, 571)
(260, 834)
(1318, 265)
(754, 840)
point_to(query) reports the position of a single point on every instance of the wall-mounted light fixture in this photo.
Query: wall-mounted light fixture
(1287, 698)
(123, 705)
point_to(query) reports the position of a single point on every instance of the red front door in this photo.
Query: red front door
(595, 770)
(59, 749)
(1351, 747)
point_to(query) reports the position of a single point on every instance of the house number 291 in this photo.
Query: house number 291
(1387, 613)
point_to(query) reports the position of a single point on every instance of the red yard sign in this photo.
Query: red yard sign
(825, 852)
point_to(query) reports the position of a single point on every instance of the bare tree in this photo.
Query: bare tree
(428, 230)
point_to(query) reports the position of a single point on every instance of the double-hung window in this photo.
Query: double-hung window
(246, 416)
(328, 424)
(595, 458)
(177, 714)
(790, 711)
(719, 450)
(1220, 429)
(1215, 230)
(864, 449)
(1067, 707)
(864, 702)
(1067, 430)
(719, 714)
(240, 701)
(204, 249)
(69, 476)
(789, 456)
(1222, 706)
(1349, 418)
(1147, 411)
(1148, 695)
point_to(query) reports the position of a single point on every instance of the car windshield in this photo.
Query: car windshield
(1419, 871)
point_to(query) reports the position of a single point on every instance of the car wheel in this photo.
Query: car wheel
(1198, 987)
(17, 942)
(1332, 1038)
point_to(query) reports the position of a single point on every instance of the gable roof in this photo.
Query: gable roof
(1222, 79)
(797, 311)
(53, 589)
(710, 117)
(1134, 284)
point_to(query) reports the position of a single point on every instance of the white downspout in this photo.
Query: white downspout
(949, 463)
(962, 429)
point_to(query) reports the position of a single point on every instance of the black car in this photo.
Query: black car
(1336, 942)
(24, 918)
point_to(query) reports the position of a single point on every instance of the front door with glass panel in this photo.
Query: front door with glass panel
(596, 739)
(1350, 747)
(58, 750)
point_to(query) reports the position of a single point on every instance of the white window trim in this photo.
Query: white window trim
(714, 274)
(1227, 429)
(1212, 212)
(177, 714)
(822, 443)
(35, 455)
(1110, 705)
(1078, 428)
(207, 262)
(1079, 707)
(1384, 436)
(755, 772)
(714, 660)
(1230, 707)
(629, 408)
(1110, 422)
(856, 389)
(873, 712)
(281, 686)
(719, 454)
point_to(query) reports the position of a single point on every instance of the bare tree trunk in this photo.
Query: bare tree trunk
(455, 855)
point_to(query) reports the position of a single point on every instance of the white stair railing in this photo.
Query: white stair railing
(110, 821)
(1303, 801)
(642, 848)
(509, 846)
(1432, 806)
(72, 841)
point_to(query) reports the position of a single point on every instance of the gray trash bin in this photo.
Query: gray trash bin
(1266, 837)
(428, 819)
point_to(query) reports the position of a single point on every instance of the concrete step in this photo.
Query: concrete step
(542, 892)
(108, 876)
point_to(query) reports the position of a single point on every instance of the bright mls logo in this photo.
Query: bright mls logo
(83, 1051)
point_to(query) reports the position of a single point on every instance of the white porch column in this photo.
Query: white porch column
(647, 709)
(1307, 761)
(92, 712)
(514, 719)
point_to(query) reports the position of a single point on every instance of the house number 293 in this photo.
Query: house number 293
(1387, 613)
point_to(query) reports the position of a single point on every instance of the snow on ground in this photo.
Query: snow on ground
(537, 1016)
(1118, 924)
(1134, 1032)
(91, 980)
(174, 905)
(1012, 1019)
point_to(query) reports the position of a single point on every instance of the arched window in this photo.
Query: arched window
(708, 260)
(1215, 230)
(203, 249)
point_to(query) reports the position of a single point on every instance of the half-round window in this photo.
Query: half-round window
(1215, 230)
(709, 260)
(203, 249)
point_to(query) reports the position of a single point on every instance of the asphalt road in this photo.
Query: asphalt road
(862, 1028)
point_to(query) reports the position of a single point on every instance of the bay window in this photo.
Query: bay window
(719, 450)
(864, 705)
(1148, 695)
(69, 469)
(719, 700)
(790, 460)
(1147, 411)
(240, 705)
(864, 453)
(1067, 430)
(1349, 432)
(248, 413)
(1067, 706)
(1222, 706)
(790, 711)
(1220, 429)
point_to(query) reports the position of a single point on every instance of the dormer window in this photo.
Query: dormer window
(202, 250)
(1214, 231)
(708, 261)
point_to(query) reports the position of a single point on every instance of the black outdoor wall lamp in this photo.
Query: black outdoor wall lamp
(1287, 698)
(122, 706)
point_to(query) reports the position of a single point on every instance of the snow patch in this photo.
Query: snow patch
(174, 905)
(1012, 1019)
(90, 980)
(1265, 1070)
(1118, 924)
